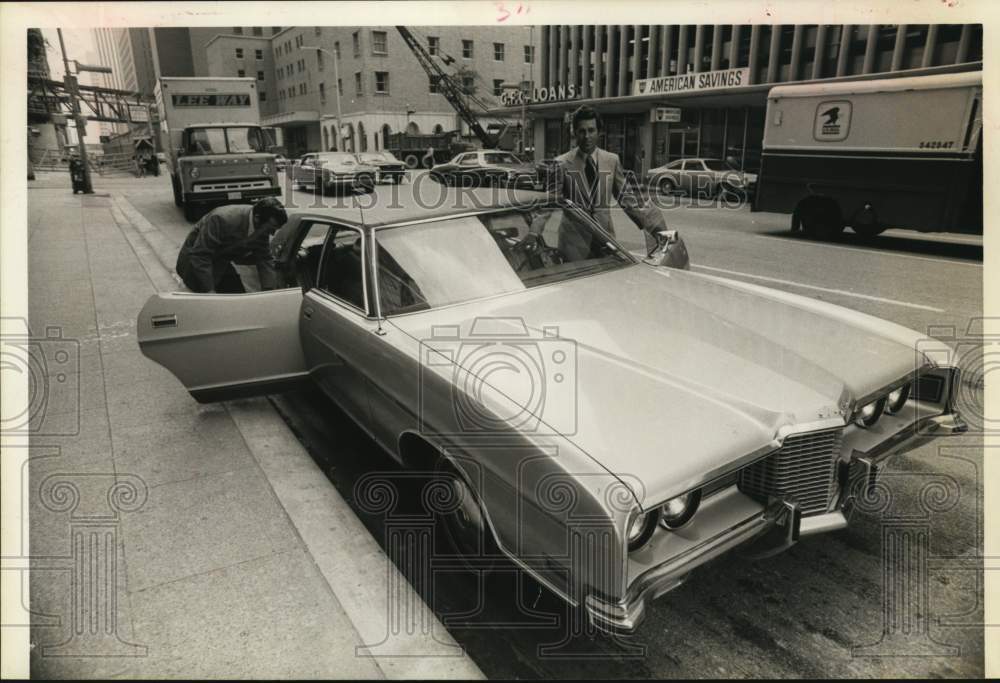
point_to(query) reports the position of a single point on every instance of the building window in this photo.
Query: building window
(356, 40)
(433, 45)
(298, 41)
(322, 92)
(239, 53)
(380, 44)
(336, 49)
(318, 30)
(466, 49)
(303, 88)
(497, 87)
(291, 93)
(275, 30)
(340, 87)
(529, 54)
(319, 59)
(382, 82)
(263, 96)
(357, 84)
(258, 31)
(468, 84)
(498, 52)
(277, 52)
(288, 46)
(258, 54)
(260, 75)
(434, 85)
(237, 31)
(241, 73)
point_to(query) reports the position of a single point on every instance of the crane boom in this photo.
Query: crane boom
(450, 91)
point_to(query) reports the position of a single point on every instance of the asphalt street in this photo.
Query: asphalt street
(809, 612)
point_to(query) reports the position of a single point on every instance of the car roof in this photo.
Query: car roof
(478, 200)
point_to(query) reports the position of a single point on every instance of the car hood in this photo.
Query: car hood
(520, 168)
(672, 374)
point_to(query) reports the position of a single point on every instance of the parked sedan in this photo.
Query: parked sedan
(606, 423)
(486, 167)
(701, 176)
(331, 171)
(389, 167)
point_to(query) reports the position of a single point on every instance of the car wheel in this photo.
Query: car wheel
(462, 520)
(412, 161)
(666, 186)
(821, 218)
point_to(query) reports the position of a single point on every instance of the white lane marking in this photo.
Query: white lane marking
(821, 289)
(873, 252)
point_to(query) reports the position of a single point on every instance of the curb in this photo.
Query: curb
(395, 627)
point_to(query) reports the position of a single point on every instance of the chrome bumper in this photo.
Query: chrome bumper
(781, 523)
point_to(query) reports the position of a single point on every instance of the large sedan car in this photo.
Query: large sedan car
(332, 171)
(486, 167)
(700, 176)
(606, 423)
(389, 167)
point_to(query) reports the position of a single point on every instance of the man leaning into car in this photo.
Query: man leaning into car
(593, 179)
(231, 234)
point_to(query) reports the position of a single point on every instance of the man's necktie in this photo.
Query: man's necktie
(591, 171)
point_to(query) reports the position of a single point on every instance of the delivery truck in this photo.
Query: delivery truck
(875, 154)
(216, 150)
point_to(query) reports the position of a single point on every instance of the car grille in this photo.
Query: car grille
(803, 469)
(219, 186)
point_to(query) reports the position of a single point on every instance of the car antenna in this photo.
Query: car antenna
(361, 212)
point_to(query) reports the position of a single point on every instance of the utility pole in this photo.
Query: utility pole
(72, 87)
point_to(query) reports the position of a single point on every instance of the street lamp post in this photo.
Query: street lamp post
(336, 87)
(73, 88)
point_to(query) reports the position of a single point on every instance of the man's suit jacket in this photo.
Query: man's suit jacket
(569, 181)
(225, 235)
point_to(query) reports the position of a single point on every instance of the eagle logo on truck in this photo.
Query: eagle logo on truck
(833, 121)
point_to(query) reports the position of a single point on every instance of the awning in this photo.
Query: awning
(290, 117)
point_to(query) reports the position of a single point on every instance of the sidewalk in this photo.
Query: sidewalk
(174, 539)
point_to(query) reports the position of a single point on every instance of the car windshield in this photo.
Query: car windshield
(501, 158)
(377, 156)
(717, 165)
(452, 260)
(225, 140)
(342, 158)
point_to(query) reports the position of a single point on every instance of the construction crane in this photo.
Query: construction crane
(448, 88)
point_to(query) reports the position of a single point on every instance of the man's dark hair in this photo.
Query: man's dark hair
(585, 113)
(270, 208)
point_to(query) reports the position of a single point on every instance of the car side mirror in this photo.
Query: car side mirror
(669, 251)
(303, 270)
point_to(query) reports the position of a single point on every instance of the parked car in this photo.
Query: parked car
(607, 423)
(389, 167)
(331, 171)
(701, 176)
(486, 167)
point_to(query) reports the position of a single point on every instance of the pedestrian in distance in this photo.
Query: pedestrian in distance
(236, 233)
(593, 179)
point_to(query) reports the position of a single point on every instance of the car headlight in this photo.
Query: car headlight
(195, 172)
(896, 399)
(265, 170)
(678, 511)
(641, 529)
(870, 413)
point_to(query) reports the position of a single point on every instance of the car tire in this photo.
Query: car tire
(178, 201)
(412, 161)
(464, 526)
(821, 218)
(666, 186)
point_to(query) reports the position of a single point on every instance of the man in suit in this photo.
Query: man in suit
(237, 233)
(593, 178)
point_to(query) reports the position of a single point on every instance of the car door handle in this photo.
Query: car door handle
(307, 313)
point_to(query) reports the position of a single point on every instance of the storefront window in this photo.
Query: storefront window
(713, 128)
(735, 121)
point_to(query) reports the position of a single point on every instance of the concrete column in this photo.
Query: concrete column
(611, 61)
(716, 46)
(752, 59)
(774, 54)
(846, 33)
(666, 50)
(599, 76)
(575, 56)
(587, 61)
(819, 52)
(930, 46)
(652, 67)
(622, 60)
(682, 48)
(793, 68)
(870, 45)
(899, 49)
(699, 46)
(962, 54)
(636, 61)
(561, 78)
(553, 65)
(734, 47)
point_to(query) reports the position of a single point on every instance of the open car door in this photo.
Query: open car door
(226, 346)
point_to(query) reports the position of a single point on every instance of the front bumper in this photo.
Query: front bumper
(772, 530)
(231, 196)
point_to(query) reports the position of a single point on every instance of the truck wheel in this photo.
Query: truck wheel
(869, 231)
(177, 191)
(865, 223)
(821, 218)
(190, 212)
(412, 161)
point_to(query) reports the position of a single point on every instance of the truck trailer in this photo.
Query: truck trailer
(875, 154)
(216, 150)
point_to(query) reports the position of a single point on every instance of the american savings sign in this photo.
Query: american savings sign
(213, 100)
(682, 83)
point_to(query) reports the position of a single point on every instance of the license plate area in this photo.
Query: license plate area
(234, 195)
